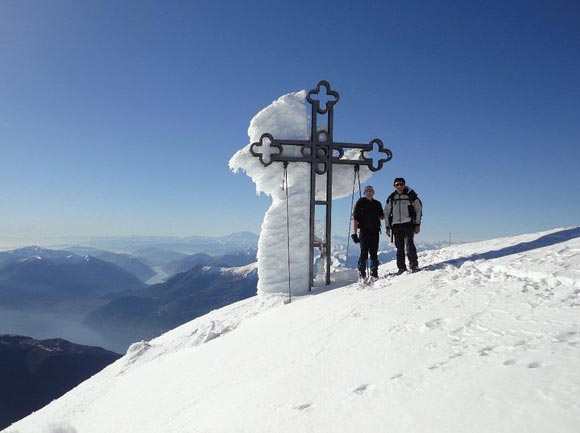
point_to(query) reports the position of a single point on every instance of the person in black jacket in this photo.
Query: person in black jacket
(367, 217)
(404, 210)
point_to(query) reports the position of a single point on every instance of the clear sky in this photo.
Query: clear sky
(119, 117)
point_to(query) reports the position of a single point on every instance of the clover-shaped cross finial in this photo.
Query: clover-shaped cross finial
(264, 149)
(375, 155)
(322, 96)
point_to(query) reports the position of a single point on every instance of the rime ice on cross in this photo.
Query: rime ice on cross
(322, 152)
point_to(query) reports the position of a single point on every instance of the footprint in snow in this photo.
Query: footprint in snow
(534, 365)
(438, 365)
(434, 324)
(303, 406)
(361, 389)
(509, 362)
(486, 351)
(567, 336)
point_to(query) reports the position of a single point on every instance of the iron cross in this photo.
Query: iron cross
(322, 152)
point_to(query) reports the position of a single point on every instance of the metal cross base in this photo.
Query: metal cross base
(322, 152)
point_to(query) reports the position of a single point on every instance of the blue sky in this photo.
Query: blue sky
(119, 117)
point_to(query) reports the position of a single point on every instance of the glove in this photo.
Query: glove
(355, 238)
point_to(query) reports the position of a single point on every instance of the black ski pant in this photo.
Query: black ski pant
(369, 244)
(404, 235)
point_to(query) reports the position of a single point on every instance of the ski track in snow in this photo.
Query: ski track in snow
(474, 308)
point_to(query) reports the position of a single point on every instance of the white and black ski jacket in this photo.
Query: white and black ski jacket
(403, 208)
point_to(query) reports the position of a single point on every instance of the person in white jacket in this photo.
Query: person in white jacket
(403, 211)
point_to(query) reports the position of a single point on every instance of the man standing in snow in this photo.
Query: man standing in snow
(367, 217)
(404, 210)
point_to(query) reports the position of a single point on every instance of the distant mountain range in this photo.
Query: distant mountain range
(158, 308)
(53, 283)
(35, 372)
(37, 276)
(158, 257)
(8, 257)
(213, 245)
(131, 264)
(239, 258)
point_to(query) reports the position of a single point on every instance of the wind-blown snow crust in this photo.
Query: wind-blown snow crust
(485, 339)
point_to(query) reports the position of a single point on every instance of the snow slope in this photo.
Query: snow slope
(485, 339)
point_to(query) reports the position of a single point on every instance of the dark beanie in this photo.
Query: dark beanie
(399, 179)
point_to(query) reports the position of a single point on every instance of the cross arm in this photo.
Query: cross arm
(364, 148)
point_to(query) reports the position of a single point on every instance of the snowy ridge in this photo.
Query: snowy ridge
(485, 339)
(241, 271)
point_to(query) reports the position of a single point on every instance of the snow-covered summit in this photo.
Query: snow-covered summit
(485, 339)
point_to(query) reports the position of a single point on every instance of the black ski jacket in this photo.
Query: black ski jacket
(368, 213)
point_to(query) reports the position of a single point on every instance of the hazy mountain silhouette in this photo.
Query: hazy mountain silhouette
(34, 276)
(131, 264)
(157, 257)
(35, 372)
(238, 258)
(153, 310)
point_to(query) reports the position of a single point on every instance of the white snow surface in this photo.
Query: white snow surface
(287, 118)
(485, 339)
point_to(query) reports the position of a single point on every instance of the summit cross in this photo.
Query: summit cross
(322, 152)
